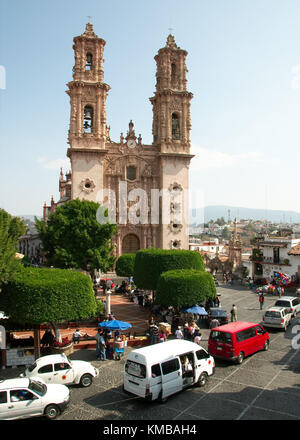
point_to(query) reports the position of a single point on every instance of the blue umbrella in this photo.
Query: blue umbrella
(115, 325)
(196, 310)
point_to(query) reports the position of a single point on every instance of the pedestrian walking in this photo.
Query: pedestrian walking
(100, 346)
(233, 313)
(261, 301)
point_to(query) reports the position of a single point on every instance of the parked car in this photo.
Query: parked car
(277, 317)
(290, 302)
(21, 398)
(236, 340)
(219, 314)
(59, 369)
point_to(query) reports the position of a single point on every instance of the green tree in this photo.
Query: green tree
(151, 263)
(73, 238)
(184, 288)
(225, 233)
(220, 221)
(11, 228)
(125, 265)
(48, 296)
(215, 264)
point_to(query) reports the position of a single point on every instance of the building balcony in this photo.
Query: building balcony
(271, 261)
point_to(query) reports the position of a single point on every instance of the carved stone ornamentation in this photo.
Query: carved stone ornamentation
(175, 227)
(175, 244)
(87, 186)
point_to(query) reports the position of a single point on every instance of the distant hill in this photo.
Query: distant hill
(214, 212)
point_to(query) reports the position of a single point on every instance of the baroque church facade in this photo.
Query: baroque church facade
(145, 186)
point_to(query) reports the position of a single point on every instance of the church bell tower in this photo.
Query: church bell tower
(88, 132)
(171, 135)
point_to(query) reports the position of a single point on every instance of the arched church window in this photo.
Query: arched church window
(131, 172)
(175, 126)
(89, 61)
(88, 119)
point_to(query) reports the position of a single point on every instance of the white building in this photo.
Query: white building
(276, 254)
(213, 246)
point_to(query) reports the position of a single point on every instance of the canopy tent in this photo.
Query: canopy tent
(196, 310)
(115, 325)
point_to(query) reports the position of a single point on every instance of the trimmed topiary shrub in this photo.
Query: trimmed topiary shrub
(125, 265)
(184, 288)
(151, 263)
(38, 296)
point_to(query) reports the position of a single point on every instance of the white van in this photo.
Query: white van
(157, 371)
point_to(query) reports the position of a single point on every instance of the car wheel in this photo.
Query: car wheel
(202, 379)
(86, 380)
(240, 358)
(52, 411)
(266, 346)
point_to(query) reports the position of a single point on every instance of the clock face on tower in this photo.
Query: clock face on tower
(131, 143)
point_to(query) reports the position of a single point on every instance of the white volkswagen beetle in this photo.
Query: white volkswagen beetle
(59, 369)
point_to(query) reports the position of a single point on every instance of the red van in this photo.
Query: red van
(237, 340)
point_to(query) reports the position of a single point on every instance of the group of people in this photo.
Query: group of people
(189, 332)
(109, 345)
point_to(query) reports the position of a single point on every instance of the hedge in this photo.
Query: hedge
(125, 265)
(38, 295)
(184, 288)
(151, 263)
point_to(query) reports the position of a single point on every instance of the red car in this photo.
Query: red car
(237, 340)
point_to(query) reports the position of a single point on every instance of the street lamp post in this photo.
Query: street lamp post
(107, 306)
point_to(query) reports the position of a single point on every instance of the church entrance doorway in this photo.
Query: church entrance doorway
(130, 244)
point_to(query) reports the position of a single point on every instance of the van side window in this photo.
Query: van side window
(201, 354)
(155, 370)
(245, 334)
(3, 397)
(170, 366)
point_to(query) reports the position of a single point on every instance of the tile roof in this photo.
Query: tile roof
(295, 250)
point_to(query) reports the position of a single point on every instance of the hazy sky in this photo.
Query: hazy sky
(244, 71)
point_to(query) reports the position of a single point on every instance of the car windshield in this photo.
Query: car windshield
(31, 367)
(272, 314)
(38, 387)
(221, 336)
